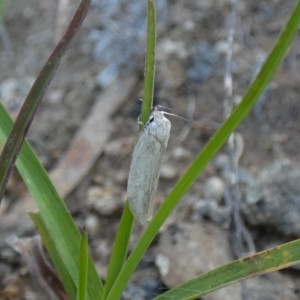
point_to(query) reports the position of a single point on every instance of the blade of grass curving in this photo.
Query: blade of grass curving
(119, 252)
(260, 263)
(83, 268)
(34, 97)
(58, 262)
(53, 211)
(209, 151)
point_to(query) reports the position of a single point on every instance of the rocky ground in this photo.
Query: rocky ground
(96, 93)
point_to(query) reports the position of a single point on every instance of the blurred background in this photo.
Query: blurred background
(95, 95)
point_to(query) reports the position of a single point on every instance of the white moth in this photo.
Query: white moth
(147, 157)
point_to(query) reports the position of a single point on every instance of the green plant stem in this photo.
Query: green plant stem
(149, 63)
(83, 268)
(120, 249)
(119, 252)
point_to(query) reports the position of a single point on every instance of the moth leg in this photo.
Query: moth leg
(140, 122)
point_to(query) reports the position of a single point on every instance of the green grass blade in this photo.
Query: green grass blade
(2, 4)
(149, 63)
(34, 97)
(58, 262)
(120, 249)
(53, 211)
(248, 267)
(83, 268)
(119, 252)
(213, 146)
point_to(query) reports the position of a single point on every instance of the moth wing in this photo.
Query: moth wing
(143, 178)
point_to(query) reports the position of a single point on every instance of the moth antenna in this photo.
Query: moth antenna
(161, 106)
(170, 114)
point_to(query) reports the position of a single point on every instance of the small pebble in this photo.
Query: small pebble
(107, 206)
(92, 224)
(181, 153)
(168, 172)
(214, 188)
(103, 201)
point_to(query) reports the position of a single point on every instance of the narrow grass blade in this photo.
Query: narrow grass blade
(149, 63)
(53, 211)
(120, 249)
(83, 268)
(213, 146)
(248, 267)
(119, 252)
(35, 95)
(2, 4)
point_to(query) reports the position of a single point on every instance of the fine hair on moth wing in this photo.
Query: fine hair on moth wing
(147, 157)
